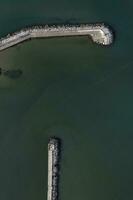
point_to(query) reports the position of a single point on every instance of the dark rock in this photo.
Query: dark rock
(13, 74)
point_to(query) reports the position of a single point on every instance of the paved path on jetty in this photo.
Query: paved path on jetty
(99, 33)
(53, 169)
(50, 171)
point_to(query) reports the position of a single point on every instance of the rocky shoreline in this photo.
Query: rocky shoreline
(99, 33)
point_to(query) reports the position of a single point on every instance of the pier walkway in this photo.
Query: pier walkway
(99, 33)
(53, 169)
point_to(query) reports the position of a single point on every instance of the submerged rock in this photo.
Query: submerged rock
(13, 73)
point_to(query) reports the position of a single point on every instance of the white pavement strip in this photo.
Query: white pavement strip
(53, 159)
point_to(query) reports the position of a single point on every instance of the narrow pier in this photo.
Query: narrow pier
(53, 168)
(99, 33)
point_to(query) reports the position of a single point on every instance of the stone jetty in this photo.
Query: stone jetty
(53, 168)
(99, 33)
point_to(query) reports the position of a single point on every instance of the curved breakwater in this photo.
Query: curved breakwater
(99, 34)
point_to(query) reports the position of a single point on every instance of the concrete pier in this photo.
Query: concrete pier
(53, 169)
(99, 33)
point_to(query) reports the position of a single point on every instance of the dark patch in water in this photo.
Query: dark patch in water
(13, 74)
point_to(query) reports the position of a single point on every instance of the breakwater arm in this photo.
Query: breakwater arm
(53, 168)
(99, 34)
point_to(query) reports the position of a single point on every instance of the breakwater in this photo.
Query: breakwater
(53, 168)
(99, 33)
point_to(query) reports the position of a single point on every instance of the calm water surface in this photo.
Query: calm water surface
(72, 89)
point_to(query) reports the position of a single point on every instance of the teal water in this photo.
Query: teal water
(73, 89)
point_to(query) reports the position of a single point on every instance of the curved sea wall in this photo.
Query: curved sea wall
(99, 33)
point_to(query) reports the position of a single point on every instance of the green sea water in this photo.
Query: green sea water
(72, 89)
